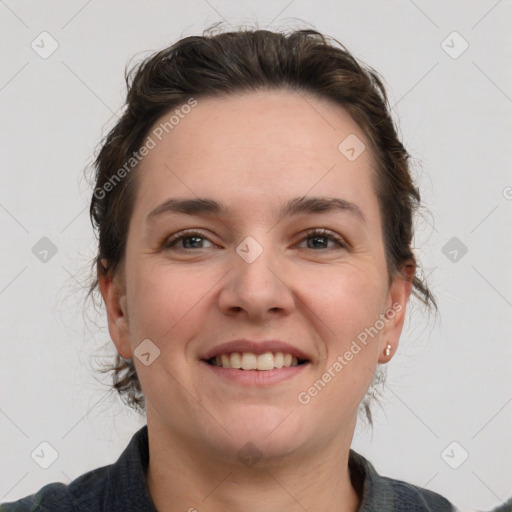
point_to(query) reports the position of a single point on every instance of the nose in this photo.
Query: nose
(258, 289)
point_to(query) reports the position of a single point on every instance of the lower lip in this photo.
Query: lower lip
(255, 378)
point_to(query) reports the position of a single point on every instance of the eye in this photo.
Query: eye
(195, 240)
(192, 239)
(321, 237)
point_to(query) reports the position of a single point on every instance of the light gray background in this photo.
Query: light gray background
(450, 380)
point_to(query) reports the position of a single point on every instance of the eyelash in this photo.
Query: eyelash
(319, 232)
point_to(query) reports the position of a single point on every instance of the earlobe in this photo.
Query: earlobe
(116, 305)
(399, 294)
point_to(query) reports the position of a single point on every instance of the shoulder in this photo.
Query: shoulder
(86, 493)
(117, 487)
(412, 497)
(387, 494)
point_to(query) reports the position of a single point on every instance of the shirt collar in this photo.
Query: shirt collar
(129, 490)
(127, 477)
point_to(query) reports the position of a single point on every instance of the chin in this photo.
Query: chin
(268, 431)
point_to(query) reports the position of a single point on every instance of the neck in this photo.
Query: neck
(181, 477)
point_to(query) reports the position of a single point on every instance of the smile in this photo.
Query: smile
(250, 361)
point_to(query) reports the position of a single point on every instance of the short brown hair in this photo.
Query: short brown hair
(305, 61)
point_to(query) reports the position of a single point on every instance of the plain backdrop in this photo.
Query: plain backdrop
(446, 414)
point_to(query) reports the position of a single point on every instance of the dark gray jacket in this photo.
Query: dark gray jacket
(121, 487)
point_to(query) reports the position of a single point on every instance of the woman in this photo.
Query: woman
(254, 208)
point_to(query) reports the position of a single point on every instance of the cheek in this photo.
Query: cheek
(170, 304)
(349, 302)
(346, 305)
(161, 299)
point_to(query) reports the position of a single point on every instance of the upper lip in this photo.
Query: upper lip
(255, 347)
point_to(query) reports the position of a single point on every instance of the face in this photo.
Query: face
(309, 280)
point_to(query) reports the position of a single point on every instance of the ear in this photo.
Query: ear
(114, 296)
(399, 293)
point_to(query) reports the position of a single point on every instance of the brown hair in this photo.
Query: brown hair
(247, 60)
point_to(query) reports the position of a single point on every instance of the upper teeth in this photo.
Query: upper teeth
(250, 361)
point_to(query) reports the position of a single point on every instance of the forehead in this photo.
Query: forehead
(277, 120)
(254, 146)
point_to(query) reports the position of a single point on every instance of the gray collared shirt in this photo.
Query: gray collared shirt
(122, 487)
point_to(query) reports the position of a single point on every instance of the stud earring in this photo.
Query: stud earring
(388, 350)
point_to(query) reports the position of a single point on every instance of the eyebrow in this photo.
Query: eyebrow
(296, 206)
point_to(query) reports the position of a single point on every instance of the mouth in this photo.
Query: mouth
(253, 363)
(246, 361)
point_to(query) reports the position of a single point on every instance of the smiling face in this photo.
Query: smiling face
(252, 265)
